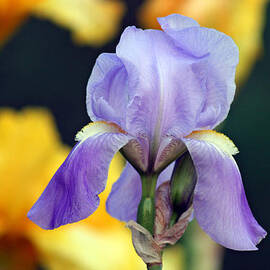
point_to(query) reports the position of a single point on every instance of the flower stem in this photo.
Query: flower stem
(146, 213)
(146, 209)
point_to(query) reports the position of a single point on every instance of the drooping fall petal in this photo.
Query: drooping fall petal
(72, 194)
(220, 204)
(126, 193)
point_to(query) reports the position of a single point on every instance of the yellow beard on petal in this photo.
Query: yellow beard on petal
(98, 127)
(219, 140)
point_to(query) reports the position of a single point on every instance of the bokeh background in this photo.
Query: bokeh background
(47, 51)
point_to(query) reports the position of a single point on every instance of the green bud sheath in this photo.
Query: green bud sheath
(146, 213)
(146, 209)
(182, 184)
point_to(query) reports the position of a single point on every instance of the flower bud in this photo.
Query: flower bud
(182, 184)
(146, 213)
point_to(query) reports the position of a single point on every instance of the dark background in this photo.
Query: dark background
(41, 66)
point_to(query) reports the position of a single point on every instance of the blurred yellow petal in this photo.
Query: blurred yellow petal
(91, 21)
(76, 247)
(12, 13)
(243, 20)
(30, 152)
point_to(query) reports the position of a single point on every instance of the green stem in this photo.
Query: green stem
(146, 213)
(149, 182)
(146, 209)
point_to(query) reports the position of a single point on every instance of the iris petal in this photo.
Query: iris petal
(220, 204)
(72, 194)
(216, 71)
(176, 22)
(165, 93)
(126, 193)
(107, 95)
(165, 83)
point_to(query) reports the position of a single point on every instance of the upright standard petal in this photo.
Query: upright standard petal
(126, 193)
(216, 70)
(107, 93)
(220, 204)
(176, 22)
(164, 91)
(72, 194)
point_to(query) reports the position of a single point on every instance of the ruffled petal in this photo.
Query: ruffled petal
(220, 204)
(165, 95)
(176, 22)
(216, 70)
(72, 194)
(107, 96)
(126, 193)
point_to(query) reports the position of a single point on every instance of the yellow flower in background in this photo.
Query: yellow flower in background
(12, 14)
(30, 153)
(243, 20)
(91, 22)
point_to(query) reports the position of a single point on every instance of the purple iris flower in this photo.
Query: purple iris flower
(158, 96)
